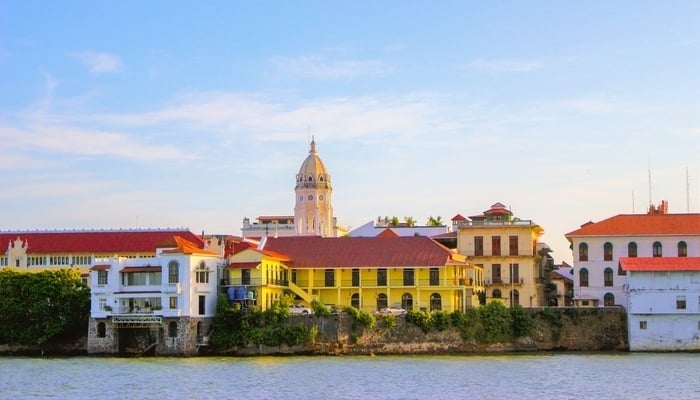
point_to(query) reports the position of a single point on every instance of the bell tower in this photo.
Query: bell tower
(313, 212)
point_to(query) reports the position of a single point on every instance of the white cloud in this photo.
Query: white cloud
(506, 65)
(99, 63)
(321, 68)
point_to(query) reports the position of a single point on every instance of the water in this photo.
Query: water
(557, 376)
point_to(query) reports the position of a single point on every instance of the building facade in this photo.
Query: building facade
(506, 248)
(597, 248)
(415, 273)
(160, 305)
(663, 309)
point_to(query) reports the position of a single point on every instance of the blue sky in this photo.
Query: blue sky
(198, 114)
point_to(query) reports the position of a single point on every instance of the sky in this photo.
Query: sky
(157, 114)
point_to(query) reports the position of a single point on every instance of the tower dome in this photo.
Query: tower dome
(313, 173)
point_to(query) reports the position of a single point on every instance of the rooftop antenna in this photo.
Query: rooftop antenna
(687, 191)
(649, 169)
(633, 202)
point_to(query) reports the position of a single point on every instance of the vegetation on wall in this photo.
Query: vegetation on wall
(43, 308)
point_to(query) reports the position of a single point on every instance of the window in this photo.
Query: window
(294, 276)
(408, 277)
(583, 277)
(103, 304)
(680, 302)
(173, 272)
(657, 249)
(356, 277)
(514, 298)
(434, 277)
(381, 277)
(101, 330)
(202, 276)
(245, 276)
(435, 302)
(514, 273)
(202, 305)
(496, 293)
(478, 245)
(609, 300)
(631, 249)
(329, 278)
(608, 277)
(407, 302)
(172, 329)
(355, 300)
(513, 245)
(682, 249)
(173, 303)
(382, 301)
(102, 277)
(583, 252)
(643, 325)
(607, 251)
(496, 273)
(495, 245)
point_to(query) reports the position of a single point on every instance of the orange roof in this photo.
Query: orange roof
(642, 224)
(660, 263)
(95, 241)
(361, 252)
(184, 246)
(388, 232)
(459, 217)
(243, 265)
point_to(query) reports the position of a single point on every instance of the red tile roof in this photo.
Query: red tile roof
(459, 217)
(361, 252)
(642, 224)
(97, 241)
(184, 246)
(388, 232)
(660, 263)
(147, 268)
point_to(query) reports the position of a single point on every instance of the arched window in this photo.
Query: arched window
(101, 329)
(607, 251)
(320, 178)
(407, 302)
(608, 277)
(583, 252)
(382, 301)
(172, 329)
(682, 249)
(657, 249)
(435, 302)
(609, 300)
(631, 249)
(355, 300)
(173, 272)
(514, 298)
(496, 293)
(583, 277)
(311, 178)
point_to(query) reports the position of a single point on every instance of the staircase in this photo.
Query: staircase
(300, 292)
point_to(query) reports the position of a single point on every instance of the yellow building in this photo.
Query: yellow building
(414, 273)
(506, 249)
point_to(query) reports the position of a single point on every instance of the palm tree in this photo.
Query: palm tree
(409, 221)
(435, 221)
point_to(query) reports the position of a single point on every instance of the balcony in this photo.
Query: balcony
(173, 288)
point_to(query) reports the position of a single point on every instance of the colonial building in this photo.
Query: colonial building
(663, 308)
(161, 305)
(54, 249)
(415, 273)
(506, 248)
(313, 209)
(597, 248)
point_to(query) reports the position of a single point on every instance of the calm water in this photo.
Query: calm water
(559, 376)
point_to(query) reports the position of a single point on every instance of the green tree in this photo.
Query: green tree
(435, 221)
(497, 323)
(410, 221)
(43, 307)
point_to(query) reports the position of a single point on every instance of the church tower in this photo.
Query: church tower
(313, 212)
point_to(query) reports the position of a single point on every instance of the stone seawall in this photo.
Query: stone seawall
(555, 329)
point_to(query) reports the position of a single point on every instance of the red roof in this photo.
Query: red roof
(361, 252)
(243, 265)
(642, 224)
(386, 233)
(108, 242)
(459, 217)
(147, 268)
(660, 263)
(184, 246)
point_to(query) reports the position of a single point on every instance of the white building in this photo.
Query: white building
(597, 248)
(162, 305)
(374, 228)
(663, 310)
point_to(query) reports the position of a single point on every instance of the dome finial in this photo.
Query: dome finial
(313, 145)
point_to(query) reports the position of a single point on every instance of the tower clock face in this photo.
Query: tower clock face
(311, 197)
(320, 197)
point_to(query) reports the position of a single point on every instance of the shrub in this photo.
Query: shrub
(421, 319)
(320, 309)
(497, 323)
(440, 320)
(522, 321)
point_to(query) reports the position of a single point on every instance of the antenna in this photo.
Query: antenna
(649, 169)
(633, 202)
(687, 191)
